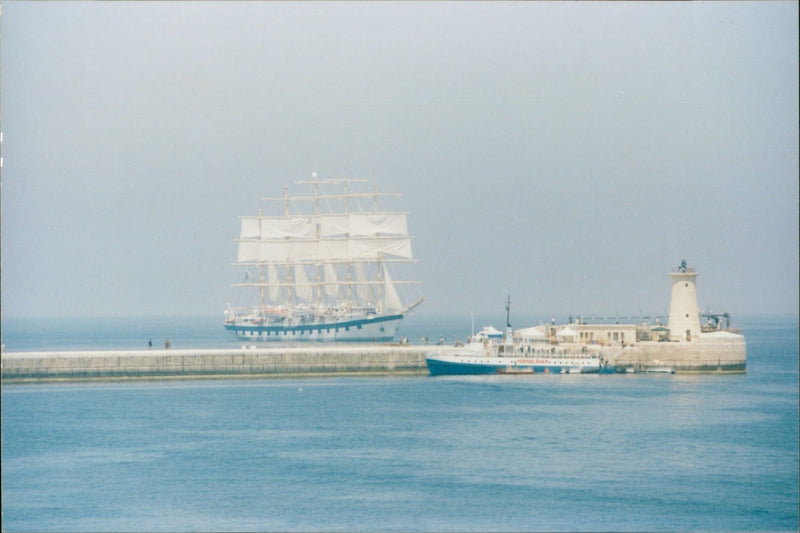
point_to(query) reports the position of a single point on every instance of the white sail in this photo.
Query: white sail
(363, 248)
(273, 251)
(274, 290)
(331, 225)
(288, 228)
(248, 252)
(291, 251)
(251, 228)
(362, 224)
(352, 248)
(331, 281)
(303, 250)
(366, 224)
(331, 250)
(273, 228)
(302, 289)
(278, 251)
(392, 299)
(374, 248)
(288, 251)
(362, 289)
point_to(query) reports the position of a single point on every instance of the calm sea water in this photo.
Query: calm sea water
(497, 453)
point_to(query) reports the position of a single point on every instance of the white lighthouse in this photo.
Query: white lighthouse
(684, 321)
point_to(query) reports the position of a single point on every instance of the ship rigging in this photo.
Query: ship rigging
(324, 274)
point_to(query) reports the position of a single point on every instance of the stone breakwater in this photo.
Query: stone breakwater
(709, 352)
(715, 352)
(277, 361)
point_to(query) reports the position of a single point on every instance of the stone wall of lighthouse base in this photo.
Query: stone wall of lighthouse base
(709, 352)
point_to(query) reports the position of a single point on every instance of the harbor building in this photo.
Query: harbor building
(683, 345)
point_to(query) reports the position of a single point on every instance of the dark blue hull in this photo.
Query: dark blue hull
(442, 368)
(375, 329)
(447, 368)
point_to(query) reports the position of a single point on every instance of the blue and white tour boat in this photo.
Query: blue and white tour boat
(525, 353)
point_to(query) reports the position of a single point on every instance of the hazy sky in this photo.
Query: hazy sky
(570, 154)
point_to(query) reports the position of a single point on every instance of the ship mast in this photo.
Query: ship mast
(289, 281)
(508, 339)
(261, 279)
(349, 265)
(382, 287)
(508, 312)
(319, 266)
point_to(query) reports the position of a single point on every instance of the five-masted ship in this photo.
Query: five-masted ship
(321, 270)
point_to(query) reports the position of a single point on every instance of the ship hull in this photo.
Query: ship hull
(455, 365)
(373, 329)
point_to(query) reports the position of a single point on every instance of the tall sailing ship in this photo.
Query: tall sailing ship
(321, 270)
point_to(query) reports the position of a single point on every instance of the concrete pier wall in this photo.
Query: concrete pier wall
(321, 359)
(709, 352)
(714, 352)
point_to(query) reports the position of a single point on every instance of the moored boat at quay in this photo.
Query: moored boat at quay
(683, 344)
(466, 363)
(513, 354)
